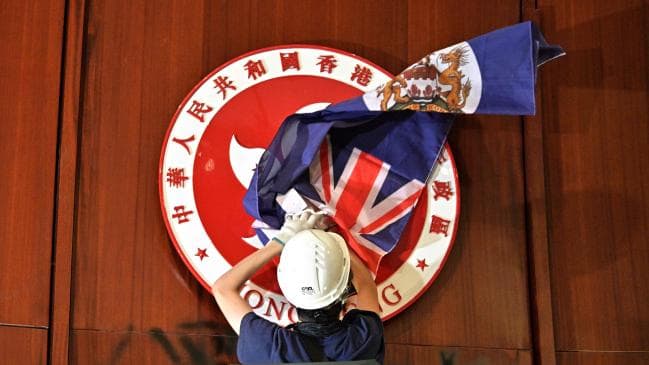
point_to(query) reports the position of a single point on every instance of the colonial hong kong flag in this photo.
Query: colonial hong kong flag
(366, 160)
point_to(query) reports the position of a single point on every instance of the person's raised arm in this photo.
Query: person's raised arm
(226, 288)
(367, 295)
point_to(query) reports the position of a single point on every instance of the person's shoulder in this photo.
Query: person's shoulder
(254, 326)
(259, 339)
(359, 314)
(364, 323)
(254, 334)
(262, 341)
(362, 337)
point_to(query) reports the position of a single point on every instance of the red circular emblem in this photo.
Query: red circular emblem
(218, 134)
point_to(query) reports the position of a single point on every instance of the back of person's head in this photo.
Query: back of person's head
(313, 273)
(328, 314)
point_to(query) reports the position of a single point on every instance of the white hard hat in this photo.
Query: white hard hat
(313, 269)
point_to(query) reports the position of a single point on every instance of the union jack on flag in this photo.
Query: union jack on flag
(352, 200)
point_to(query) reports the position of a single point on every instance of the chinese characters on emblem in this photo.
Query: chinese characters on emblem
(255, 69)
(181, 214)
(222, 83)
(176, 177)
(327, 63)
(442, 189)
(198, 110)
(289, 60)
(183, 142)
(362, 75)
(439, 225)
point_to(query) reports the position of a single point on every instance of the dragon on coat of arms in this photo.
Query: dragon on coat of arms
(423, 87)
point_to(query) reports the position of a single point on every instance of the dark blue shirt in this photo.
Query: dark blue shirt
(264, 342)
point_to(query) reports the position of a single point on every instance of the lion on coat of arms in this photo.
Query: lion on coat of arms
(423, 87)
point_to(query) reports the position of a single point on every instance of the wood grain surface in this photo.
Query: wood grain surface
(66, 184)
(541, 311)
(152, 347)
(30, 44)
(22, 345)
(140, 60)
(596, 129)
(603, 358)
(433, 355)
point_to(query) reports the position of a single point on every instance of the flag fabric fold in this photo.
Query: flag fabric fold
(367, 159)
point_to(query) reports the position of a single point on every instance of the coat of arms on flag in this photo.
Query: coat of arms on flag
(444, 81)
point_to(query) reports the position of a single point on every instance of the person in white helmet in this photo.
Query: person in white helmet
(316, 273)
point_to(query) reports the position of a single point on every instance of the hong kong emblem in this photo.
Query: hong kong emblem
(217, 136)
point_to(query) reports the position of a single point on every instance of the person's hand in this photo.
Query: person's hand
(294, 223)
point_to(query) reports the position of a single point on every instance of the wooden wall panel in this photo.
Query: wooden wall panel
(372, 29)
(66, 184)
(480, 298)
(21, 345)
(30, 45)
(541, 313)
(603, 358)
(140, 60)
(152, 347)
(596, 130)
(432, 355)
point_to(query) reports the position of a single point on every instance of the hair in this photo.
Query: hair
(328, 314)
